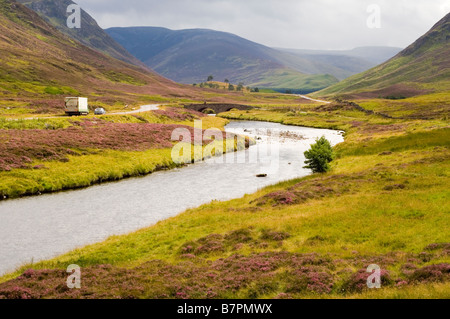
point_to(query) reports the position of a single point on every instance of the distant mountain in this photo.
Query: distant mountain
(90, 34)
(39, 65)
(190, 56)
(345, 63)
(374, 55)
(422, 67)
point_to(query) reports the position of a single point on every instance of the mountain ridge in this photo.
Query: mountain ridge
(423, 67)
(189, 56)
(90, 34)
(149, 44)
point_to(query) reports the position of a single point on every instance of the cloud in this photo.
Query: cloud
(302, 24)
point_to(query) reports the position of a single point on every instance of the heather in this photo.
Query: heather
(20, 147)
(270, 274)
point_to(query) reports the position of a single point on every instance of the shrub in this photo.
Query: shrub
(209, 111)
(433, 273)
(53, 90)
(319, 156)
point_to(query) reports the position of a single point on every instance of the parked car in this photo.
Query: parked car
(100, 111)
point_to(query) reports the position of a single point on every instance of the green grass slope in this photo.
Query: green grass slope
(423, 67)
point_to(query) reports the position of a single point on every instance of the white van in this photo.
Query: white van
(77, 106)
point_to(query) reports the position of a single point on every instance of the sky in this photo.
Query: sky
(297, 24)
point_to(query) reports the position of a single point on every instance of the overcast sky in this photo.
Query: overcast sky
(300, 24)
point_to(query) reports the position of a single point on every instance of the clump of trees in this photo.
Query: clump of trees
(228, 86)
(319, 156)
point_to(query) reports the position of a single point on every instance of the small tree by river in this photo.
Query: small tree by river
(320, 156)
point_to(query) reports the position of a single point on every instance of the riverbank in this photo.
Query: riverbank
(50, 155)
(385, 202)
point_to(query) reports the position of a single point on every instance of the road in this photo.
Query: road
(143, 108)
(311, 99)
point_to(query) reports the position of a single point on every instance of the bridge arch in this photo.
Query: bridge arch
(218, 108)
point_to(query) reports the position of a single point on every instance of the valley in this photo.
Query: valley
(105, 192)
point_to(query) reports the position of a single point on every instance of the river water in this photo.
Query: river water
(42, 227)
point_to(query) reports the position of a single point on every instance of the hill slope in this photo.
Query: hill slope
(422, 67)
(344, 63)
(90, 34)
(375, 55)
(189, 56)
(38, 65)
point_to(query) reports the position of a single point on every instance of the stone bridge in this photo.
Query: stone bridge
(218, 108)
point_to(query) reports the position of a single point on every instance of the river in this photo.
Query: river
(42, 227)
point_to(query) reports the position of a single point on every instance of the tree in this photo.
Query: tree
(210, 78)
(227, 81)
(231, 87)
(240, 86)
(319, 156)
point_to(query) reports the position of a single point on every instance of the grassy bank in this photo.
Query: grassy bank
(42, 156)
(385, 202)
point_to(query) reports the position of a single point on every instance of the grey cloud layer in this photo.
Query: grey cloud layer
(309, 24)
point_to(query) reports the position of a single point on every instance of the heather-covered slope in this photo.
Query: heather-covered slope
(90, 34)
(423, 67)
(39, 65)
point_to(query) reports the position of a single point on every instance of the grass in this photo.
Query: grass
(82, 171)
(385, 202)
(434, 105)
(36, 124)
(286, 79)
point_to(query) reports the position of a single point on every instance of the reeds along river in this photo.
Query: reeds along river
(37, 228)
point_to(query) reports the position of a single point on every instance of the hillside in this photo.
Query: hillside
(344, 63)
(90, 34)
(372, 55)
(189, 56)
(39, 65)
(423, 67)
